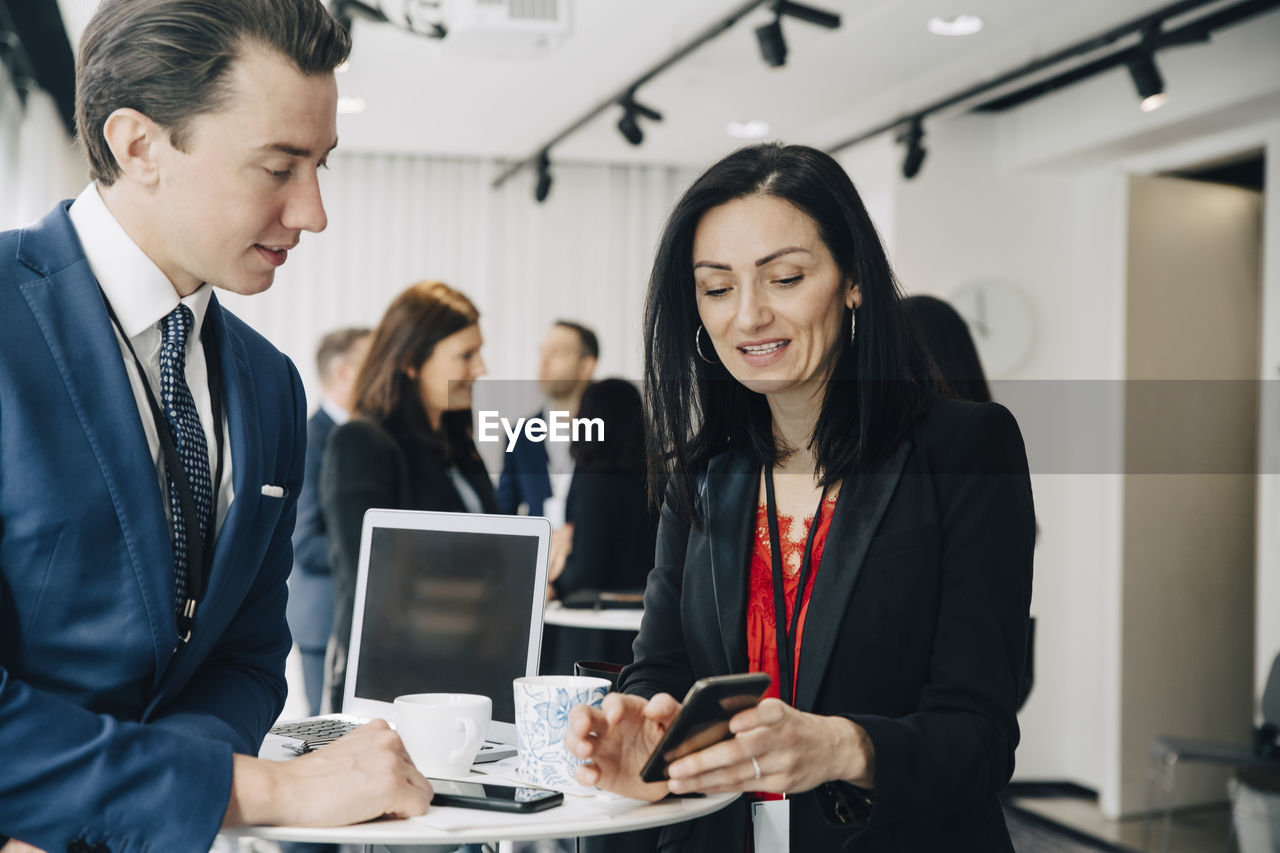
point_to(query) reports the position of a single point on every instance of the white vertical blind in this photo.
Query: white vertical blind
(583, 255)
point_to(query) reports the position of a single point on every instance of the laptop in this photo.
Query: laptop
(444, 603)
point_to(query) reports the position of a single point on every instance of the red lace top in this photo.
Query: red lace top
(762, 633)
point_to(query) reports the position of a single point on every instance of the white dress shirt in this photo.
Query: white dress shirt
(336, 413)
(142, 295)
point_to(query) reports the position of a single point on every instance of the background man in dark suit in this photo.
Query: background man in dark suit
(565, 364)
(338, 360)
(152, 448)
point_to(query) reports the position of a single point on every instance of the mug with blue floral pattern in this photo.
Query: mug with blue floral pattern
(543, 704)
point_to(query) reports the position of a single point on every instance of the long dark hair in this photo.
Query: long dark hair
(946, 336)
(879, 385)
(419, 318)
(617, 403)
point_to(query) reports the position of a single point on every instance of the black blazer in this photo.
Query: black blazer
(614, 529)
(916, 630)
(368, 465)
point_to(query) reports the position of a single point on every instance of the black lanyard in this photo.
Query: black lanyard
(787, 640)
(199, 560)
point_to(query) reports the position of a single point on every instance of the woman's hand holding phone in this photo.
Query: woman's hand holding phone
(795, 751)
(618, 738)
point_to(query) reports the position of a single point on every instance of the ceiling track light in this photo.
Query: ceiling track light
(1147, 80)
(543, 187)
(914, 138)
(1145, 74)
(773, 45)
(628, 125)
(713, 30)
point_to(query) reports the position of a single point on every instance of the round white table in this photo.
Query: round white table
(610, 619)
(565, 821)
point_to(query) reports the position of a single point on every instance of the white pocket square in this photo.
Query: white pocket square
(273, 491)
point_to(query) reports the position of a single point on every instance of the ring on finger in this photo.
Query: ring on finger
(756, 764)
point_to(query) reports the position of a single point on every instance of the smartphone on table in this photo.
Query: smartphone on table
(498, 798)
(704, 718)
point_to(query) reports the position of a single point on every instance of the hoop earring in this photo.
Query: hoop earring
(853, 324)
(697, 344)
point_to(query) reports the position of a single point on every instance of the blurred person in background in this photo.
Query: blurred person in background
(409, 442)
(614, 524)
(310, 609)
(946, 335)
(536, 475)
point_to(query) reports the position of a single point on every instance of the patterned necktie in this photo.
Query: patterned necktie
(184, 424)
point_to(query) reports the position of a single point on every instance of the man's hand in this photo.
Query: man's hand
(364, 775)
(618, 738)
(13, 845)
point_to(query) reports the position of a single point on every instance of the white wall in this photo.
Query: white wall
(1037, 197)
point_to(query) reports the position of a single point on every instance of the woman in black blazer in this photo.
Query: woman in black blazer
(794, 412)
(409, 445)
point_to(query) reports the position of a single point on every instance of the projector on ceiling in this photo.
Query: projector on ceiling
(509, 29)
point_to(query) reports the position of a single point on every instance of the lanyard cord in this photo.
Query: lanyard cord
(788, 640)
(198, 559)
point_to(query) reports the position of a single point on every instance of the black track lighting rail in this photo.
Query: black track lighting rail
(1195, 31)
(612, 101)
(1191, 33)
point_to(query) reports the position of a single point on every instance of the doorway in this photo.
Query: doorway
(1193, 350)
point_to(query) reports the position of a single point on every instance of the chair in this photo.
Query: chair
(1263, 755)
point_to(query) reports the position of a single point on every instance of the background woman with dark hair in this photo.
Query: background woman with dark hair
(946, 337)
(829, 519)
(614, 525)
(409, 445)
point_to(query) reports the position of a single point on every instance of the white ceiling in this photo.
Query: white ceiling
(423, 97)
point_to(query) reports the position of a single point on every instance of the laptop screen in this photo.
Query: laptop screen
(446, 611)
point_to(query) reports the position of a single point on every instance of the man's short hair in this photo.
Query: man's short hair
(590, 344)
(169, 59)
(335, 345)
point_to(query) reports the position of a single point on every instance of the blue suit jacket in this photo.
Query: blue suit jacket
(107, 733)
(524, 478)
(310, 585)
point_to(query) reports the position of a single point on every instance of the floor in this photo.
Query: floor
(1203, 830)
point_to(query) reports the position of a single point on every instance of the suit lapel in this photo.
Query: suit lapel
(69, 309)
(732, 486)
(857, 515)
(244, 443)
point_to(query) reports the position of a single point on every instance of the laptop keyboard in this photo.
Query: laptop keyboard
(313, 734)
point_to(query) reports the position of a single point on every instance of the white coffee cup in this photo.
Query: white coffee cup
(442, 732)
(543, 704)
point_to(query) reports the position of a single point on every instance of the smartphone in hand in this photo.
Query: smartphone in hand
(704, 718)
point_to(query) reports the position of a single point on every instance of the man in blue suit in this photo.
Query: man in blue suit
(151, 447)
(533, 472)
(338, 360)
